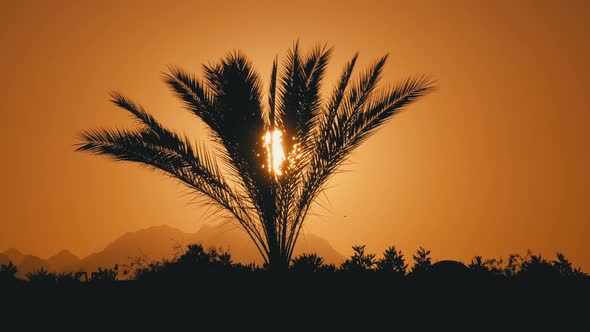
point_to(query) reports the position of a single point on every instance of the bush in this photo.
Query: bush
(359, 261)
(536, 267)
(8, 272)
(67, 279)
(310, 263)
(565, 268)
(422, 262)
(393, 262)
(105, 275)
(42, 277)
(196, 260)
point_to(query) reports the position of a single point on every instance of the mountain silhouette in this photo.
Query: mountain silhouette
(14, 255)
(62, 261)
(4, 259)
(25, 263)
(31, 263)
(163, 242)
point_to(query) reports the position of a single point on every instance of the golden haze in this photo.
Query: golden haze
(494, 162)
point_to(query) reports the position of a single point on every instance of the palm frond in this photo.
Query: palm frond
(313, 73)
(176, 157)
(363, 87)
(272, 95)
(197, 98)
(300, 93)
(333, 106)
(237, 96)
(381, 108)
(237, 92)
(348, 129)
(136, 110)
(290, 90)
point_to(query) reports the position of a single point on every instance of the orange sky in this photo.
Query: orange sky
(494, 162)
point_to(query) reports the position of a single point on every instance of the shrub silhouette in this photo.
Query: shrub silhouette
(393, 262)
(513, 265)
(42, 277)
(310, 263)
(359, 261)
(8, 272)
(105, 275)
(565, 268)
(536, 267)
(478, 265)
(197, 261)
(194, 262)
(422, 262)
(210, 261)
(67, 279)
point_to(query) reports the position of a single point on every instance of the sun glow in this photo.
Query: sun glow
(273, 143)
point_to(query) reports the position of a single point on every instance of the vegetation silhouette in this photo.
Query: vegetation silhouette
(195, 262)
(422, 262)
(7, 272)
(271, 160)
(392, 262)
(311, 263)
(198, 263)
(359, 261)
(105, 275)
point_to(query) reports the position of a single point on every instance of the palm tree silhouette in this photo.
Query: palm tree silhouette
(271, 162)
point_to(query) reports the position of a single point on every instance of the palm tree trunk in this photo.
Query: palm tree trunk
(277, 258)
(278, 262)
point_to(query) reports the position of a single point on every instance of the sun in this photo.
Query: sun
(273, 143)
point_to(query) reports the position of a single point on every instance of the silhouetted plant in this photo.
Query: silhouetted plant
(495, 266)
(211, 260)
(566, 269)
(310, 263)
(536, 267)
(392, 261)
(195, 261)
(8, 272)
(151, 270)
(276, 159)
(422, 261)
(66, 279)
(487, 268)
(42, 277)
(513, 265)
(359, 261)
(251, 267)
(105, 275)
(141, 263)
(478, 265)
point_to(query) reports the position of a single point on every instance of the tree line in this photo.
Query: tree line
(197, 261)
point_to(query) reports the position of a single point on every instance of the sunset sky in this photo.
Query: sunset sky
(494, 162)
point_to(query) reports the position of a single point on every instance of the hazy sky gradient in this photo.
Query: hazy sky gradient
(494, 162)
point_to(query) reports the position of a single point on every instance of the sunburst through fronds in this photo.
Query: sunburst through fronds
(275, 154)
(277, 158)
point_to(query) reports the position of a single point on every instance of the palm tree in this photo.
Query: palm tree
(271, 161)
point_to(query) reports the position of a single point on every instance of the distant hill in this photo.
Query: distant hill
(31, 263)
(4, 259)
(14, 255)
(159, 242)
(24, 263)
(62, 261)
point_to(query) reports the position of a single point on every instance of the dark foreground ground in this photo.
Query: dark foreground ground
(264, 301)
